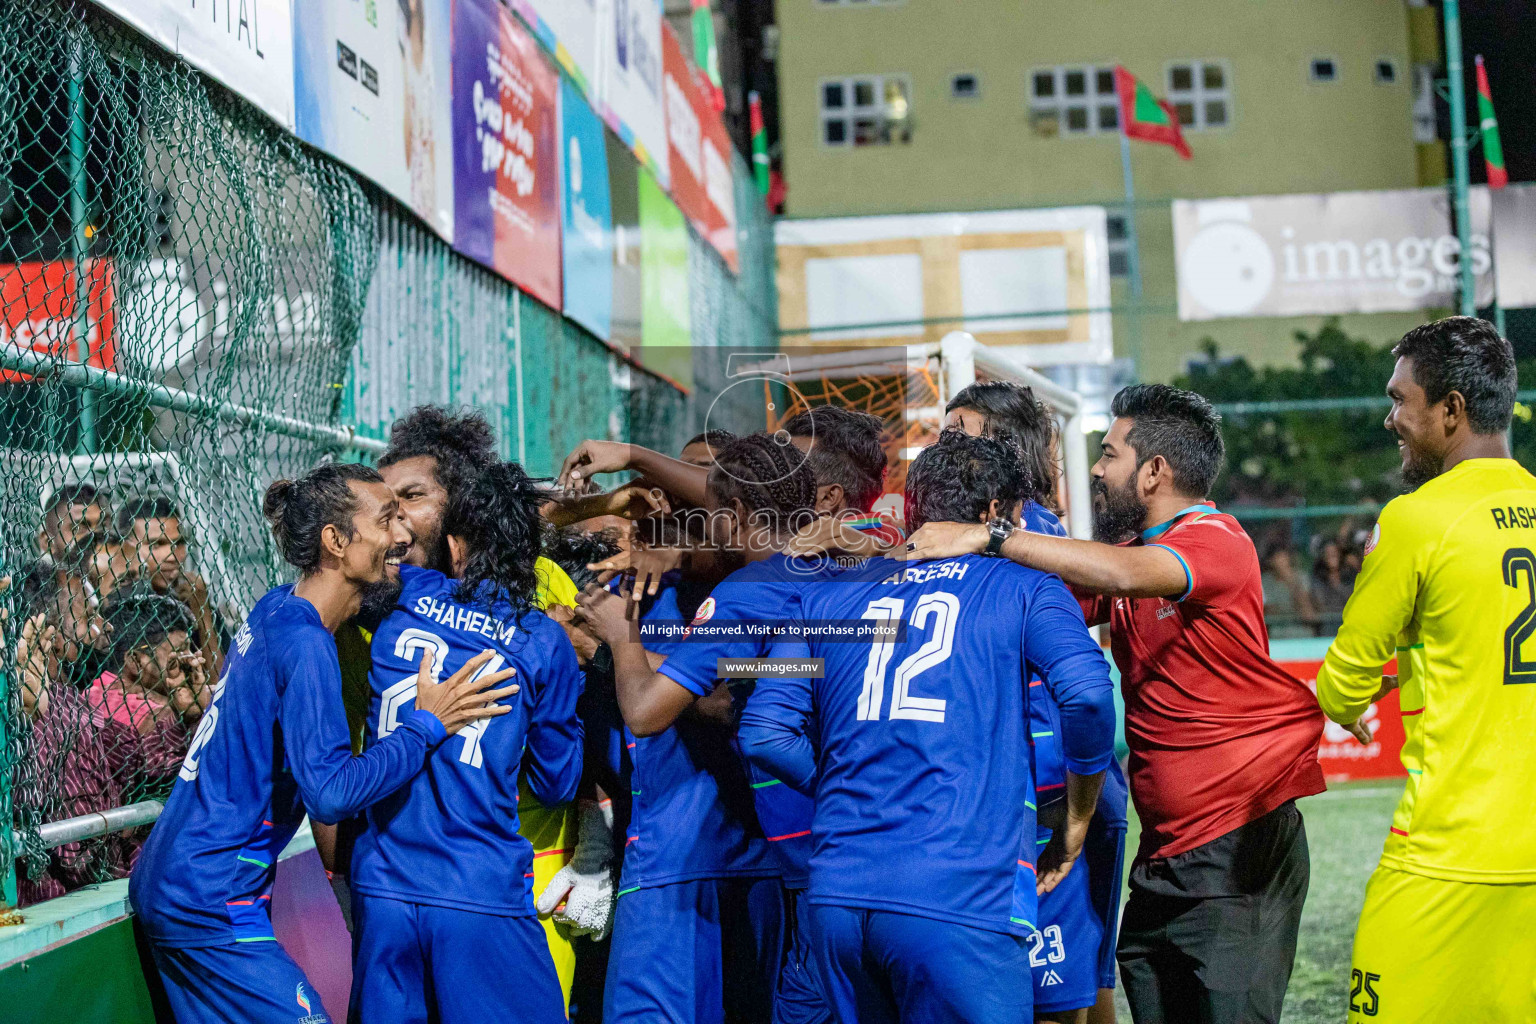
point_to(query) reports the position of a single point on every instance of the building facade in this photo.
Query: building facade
(907, 106)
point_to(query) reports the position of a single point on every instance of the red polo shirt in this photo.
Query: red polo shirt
(1219, 734)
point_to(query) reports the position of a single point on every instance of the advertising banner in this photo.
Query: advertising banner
(1514, 245)
(630, 58)
(666, 319)
(720, 186)
(568, 29)
(624, 194)
(1342, 756)
(587, 247)
(506, 152)
(698, 151)
(371, 84)
(1340, 252)
(247, 46)
(38, 311)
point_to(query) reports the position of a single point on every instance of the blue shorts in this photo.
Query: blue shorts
(237, 983)
(415, 962)
(700, 951)
(799, 999)
(880, 967)
(1064, 953)
(1104, 850)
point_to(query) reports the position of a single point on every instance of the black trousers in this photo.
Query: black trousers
(1209, 935)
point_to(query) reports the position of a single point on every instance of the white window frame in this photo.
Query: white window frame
(975, 76)
(850, 113)
(1312, 76)
(1199, 95)
(1091, 101)
(1397, 71)
(1118, 246)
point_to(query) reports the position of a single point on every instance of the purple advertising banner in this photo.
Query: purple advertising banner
(506, 156)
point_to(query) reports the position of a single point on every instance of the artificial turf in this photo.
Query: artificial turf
(1345, 830)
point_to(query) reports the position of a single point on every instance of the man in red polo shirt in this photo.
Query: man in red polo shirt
(1222, 739)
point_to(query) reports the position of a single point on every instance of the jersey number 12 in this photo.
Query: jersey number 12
(944, 609)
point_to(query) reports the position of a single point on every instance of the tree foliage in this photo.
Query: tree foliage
(1320, 458)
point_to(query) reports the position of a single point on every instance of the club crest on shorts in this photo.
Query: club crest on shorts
(706, 610)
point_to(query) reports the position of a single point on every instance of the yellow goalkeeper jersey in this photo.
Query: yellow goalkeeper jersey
(1449, 586)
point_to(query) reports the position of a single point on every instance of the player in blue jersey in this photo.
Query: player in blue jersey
(758, 489)
(923, 872)
(1075, 952)
(440, 873)
(274, 744)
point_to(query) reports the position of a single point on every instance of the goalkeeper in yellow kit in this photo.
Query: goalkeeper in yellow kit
(1448, 931)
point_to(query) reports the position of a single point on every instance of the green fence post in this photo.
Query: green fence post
(80, 242)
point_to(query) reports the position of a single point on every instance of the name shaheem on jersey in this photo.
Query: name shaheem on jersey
(272, 745)
(450, 838)
(1448, 585)
(923, 786)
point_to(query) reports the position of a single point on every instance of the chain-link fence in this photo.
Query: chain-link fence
(196, 303)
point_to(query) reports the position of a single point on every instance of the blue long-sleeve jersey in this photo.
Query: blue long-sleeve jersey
(273, 744)
(692, 812)
(1045, 719)
(450, 838)
(758, 594)
(923, 784)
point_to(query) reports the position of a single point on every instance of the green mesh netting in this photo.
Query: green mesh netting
(238, 296)
(159, 229)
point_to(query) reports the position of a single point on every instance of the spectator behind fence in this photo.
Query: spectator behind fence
(154, 693)
(68, 772)
(1333, 579)
(72, 514)
(156, 542)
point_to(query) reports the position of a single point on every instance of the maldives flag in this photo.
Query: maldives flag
(1145, 117)
(705, 54)
(1493, 152)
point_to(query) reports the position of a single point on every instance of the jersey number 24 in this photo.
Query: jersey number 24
(409, 647)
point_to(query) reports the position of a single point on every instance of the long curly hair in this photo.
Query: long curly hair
(496, 515)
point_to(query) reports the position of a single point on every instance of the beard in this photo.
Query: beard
(1419, 468)
(378, 601)
(1121, 514)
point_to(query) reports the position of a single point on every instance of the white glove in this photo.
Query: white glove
(585, 885)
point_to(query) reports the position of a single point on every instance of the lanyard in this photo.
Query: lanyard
(1162, 528)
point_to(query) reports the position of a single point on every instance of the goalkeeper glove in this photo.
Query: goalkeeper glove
(585, 885)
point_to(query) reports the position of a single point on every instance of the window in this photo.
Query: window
(964, 86)
(870, 110)
(1200, 92)
(1323, 69)
(1119, 246)
(1073, 101)
(1386, 72)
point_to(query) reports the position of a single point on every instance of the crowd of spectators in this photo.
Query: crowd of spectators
(115, 646)
(1306, 585)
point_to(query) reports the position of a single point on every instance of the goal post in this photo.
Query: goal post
(908, 387)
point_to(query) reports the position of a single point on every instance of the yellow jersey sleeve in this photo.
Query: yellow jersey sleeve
(1378, 613)
(555, 586)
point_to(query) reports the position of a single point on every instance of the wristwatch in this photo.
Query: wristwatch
(999, 530)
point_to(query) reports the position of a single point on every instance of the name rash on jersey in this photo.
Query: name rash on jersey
(1515, 517)
(927, 574)
(465, 620)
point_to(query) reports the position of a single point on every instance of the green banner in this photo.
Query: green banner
(666, 334)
